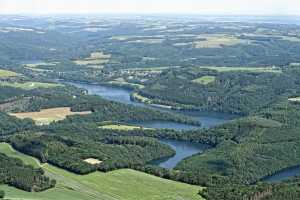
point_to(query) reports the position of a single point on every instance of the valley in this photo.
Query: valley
(153, 107)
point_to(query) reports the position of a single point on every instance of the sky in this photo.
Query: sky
(201, 7)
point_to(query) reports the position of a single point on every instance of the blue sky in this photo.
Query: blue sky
(232, 7)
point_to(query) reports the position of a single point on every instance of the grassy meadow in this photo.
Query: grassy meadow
(204, 80)
(122, 184)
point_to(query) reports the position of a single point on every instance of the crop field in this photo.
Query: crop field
(6, 74)
(243, 69)
(30, 85)
(96, 58)
(218, 41)
(46, 116)
(122, 127)
(204, 80)
(122, 184)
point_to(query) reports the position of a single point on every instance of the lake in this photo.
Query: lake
(183, 149)
(283, 175)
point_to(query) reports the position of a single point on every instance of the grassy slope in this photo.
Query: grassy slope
(120, 184)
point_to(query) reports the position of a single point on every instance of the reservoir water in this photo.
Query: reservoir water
(283, 175)
(183, 149)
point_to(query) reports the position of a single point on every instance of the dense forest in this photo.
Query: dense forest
(15, 173)
(234, 92)
(114, 152)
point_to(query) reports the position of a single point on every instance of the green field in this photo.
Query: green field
(6, 73)
(122, 184)
(204, 80)
(30, 85)
(122, 127)
(243, 69)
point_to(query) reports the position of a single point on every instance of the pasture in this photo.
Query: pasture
(46, 116)
(204, 80)
(122, 184)
(30, 85)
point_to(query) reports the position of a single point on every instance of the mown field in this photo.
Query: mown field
(46, 116)
(122, 184)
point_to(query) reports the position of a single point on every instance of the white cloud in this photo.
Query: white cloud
(258, 7)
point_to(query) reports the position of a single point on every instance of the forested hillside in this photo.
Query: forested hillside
(15, 173)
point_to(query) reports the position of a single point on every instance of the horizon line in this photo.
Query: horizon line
(154, 13)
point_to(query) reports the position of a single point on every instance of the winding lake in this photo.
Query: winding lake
(183, 149)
